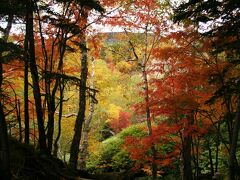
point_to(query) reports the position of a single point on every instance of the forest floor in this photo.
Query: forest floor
(27, 164)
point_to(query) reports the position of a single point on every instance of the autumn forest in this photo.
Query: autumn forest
(119, 89)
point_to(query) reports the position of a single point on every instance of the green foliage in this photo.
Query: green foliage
(121, 161)
(136, 130)
(111, 155)
(110, 147)
(101, 161)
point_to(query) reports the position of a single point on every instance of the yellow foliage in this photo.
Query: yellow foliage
(123, 66)
(113, 111)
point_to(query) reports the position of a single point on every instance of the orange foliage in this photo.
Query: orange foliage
(121, 122)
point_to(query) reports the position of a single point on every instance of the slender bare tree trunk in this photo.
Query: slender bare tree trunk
(142, 63)
(55, 150)
(86, 128)
(26, 105)
(147, 102)
(217, 146)
(18, 112)
(210, 158)
(149, 124)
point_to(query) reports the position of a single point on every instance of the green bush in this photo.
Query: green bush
(121, 161)
(136, 130)
(110, 147)
(111, 156)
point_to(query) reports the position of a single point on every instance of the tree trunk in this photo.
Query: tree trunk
(186, 152)
(4, 145)
(50, 98)
(149, 125)
(51, 95)
(34, 75)
(142, 64)
(18, 112)
(233, 164)
(50, 124)
(26, 105)
(217, 147)
(195, 156)
(210, 158)
(86, 128)
(55, 150)
(74, 150)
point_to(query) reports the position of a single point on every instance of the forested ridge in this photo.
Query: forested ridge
(119, 89)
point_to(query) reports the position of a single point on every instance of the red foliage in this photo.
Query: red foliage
(178, 95)
(121, 122)
(139, 147)
(133, 14)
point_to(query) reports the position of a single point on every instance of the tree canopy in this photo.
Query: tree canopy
(158, 98)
